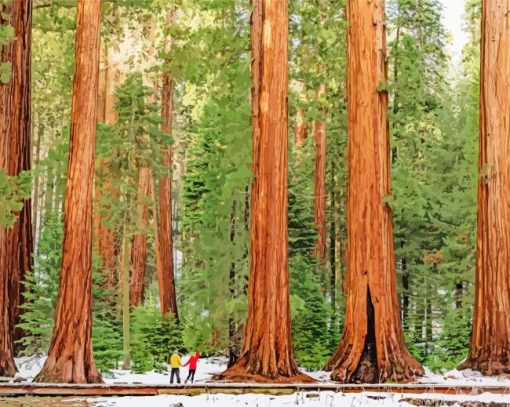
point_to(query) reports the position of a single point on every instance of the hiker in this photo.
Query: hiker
(175, 364)
(192, 362)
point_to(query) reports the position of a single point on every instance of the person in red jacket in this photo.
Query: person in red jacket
(192, 362)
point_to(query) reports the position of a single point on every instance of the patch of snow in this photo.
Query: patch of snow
(206, 368)
(29, 366)
(323, 399)
(464, 378)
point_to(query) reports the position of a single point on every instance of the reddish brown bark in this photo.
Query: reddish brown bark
(70, 358)
(372, 347)
(267, 351)
(139, 244)
(7, 365)
(490, 342)
(164, 249)
(319, 132)
(20, 242)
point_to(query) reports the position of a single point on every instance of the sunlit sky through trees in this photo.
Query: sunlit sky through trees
(453, 15)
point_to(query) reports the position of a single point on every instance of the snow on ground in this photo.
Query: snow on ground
(207, 367)
(29, 366)
(323, 399)
(463, 378)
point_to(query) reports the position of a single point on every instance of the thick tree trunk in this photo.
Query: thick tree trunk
(164, 250)
(267, 350)
(490, 342)
(372, 347)
(319, 132)
(139, 246)
(20, 241)
(7, 365)
(70, 358)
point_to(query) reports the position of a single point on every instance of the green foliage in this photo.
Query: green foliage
(13, 190)
(215, 193)
(6, 36)
(41, 288)
(106, 326)
(313, 338)
(153, 338)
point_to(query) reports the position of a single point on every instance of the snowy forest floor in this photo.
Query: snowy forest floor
(30, 366)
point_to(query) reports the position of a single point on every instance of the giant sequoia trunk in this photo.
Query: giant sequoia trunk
(70, 358)
(490, 342)
(267, 351)
(139, 245)
(372, 346)
(20, 242)
(164, 248)
(7, 365)
(319, 132)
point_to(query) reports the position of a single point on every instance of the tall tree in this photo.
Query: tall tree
(372, 347)
(7, 365)
(319, 133)
(106, 237)
(267, 351)
(139, 244)
(70, 358)
(164, 248)
(20, 242)
(490, 341)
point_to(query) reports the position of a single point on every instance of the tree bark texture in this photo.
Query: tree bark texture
(20, 241)
(164, 249)
(267, 351)
(70, 358)
(490, 342)
(372, 347)
(7, 365)
(319, 132)
(139, 245)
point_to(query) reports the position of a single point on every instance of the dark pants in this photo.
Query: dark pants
(191, 375)
(175, 372)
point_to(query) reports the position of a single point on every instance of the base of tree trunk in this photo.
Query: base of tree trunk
(7, 366)
(489, 365)
(359, 363)
(65, 371)
(244, 371)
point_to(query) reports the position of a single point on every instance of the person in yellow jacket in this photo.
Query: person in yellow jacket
(175, 365)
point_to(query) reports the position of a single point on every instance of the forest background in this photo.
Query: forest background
(434, 130)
